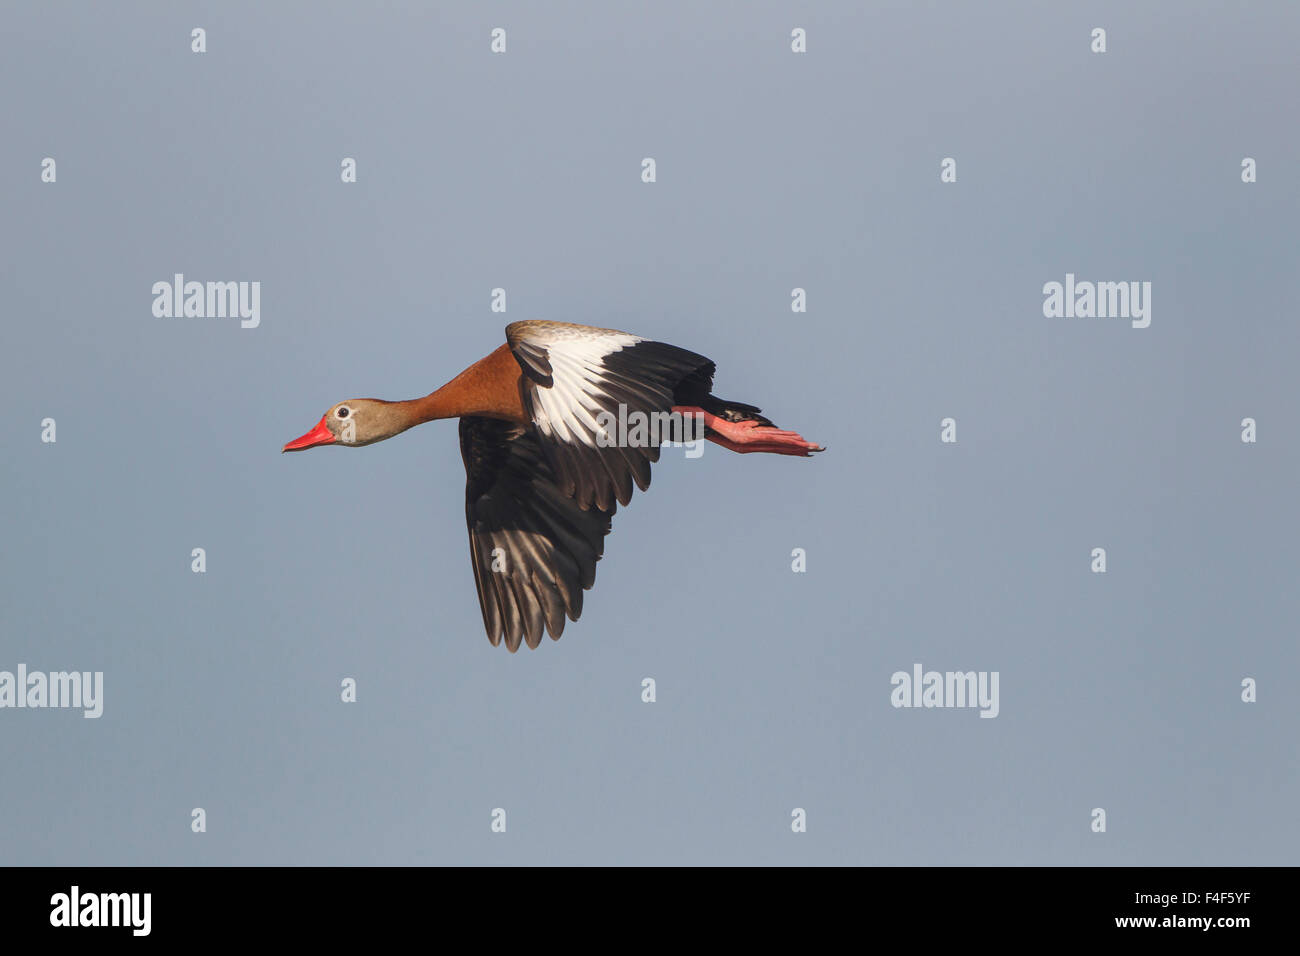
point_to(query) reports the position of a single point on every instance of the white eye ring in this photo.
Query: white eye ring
(342, 412)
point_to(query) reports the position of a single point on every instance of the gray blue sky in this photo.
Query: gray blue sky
(775, 170)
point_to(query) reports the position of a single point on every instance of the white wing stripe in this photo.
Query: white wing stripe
(565, 409)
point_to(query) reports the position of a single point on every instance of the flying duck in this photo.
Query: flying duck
(555, 427)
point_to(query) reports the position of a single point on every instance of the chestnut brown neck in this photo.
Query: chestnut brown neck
(490, 388)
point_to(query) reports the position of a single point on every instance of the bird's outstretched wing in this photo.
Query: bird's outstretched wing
(533, 549)
(572, 374)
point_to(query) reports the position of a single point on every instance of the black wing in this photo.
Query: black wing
(573, 374)
(534, 550)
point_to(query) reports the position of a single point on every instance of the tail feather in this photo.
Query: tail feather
(734, 411)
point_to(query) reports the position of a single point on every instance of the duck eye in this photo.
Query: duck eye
(343, 412)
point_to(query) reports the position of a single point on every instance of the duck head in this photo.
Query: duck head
(356, 422)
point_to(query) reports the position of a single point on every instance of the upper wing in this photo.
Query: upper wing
(534, 550)
(573, 373)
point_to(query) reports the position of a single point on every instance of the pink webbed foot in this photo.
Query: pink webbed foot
(751, 436)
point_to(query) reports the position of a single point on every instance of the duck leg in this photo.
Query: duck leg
(744, 437)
